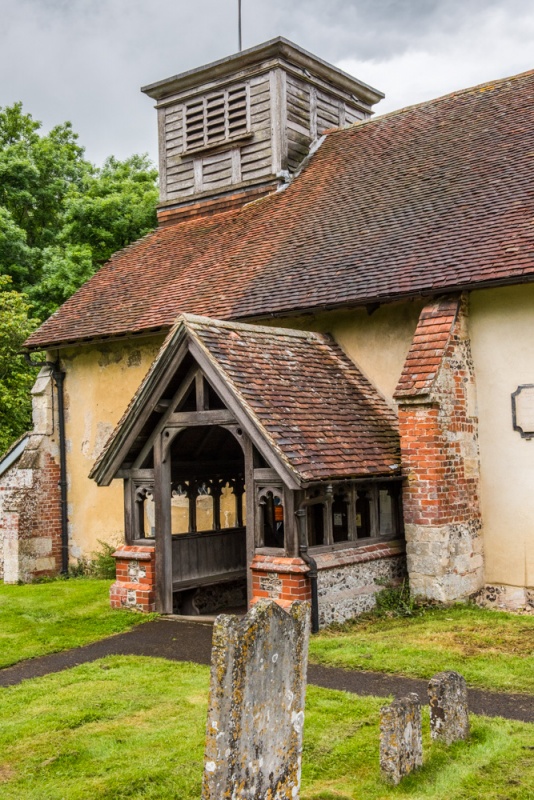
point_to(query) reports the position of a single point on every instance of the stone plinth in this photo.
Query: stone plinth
(449, 715)
(256, 710)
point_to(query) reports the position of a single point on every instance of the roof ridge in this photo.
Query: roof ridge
(271, 330)
(479, 87)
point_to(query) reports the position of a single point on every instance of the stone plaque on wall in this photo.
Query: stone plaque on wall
(523, 410)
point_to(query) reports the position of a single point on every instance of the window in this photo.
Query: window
(353, 512)
(271, 518)
(216, 118)
(340, 517)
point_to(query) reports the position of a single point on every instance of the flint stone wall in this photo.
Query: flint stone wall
(401, 739)
(508, 598)
(449, 715)
(208, 599)
(256, 710)
(347, 580)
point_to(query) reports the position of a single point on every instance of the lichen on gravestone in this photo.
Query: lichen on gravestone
(401, 739)
(256, 707)
(449, 711)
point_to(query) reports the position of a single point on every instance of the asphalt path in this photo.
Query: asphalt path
(185, 640)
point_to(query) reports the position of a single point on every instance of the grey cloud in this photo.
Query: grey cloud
(84, 60)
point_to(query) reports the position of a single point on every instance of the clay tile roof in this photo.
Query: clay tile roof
(319, 415)
(428, 347)
(432, 198)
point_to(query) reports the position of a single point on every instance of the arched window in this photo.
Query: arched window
(272, 518)
(180, 508)
(204, 508)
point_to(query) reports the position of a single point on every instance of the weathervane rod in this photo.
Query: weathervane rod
(239, 24)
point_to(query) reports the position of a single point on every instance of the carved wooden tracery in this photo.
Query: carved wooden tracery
(197, 450)
(352, 512)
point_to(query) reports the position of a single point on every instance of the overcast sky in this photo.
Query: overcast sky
(85, 60)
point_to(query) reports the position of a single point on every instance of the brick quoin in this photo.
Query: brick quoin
(439, 451)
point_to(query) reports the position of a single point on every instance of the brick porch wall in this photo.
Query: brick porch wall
(279, 578)
(135, 584)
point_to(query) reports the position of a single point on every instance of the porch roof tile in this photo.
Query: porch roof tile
(315, 406)
(309, 402)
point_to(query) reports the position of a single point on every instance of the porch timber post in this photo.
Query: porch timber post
(290, 526)
(162, 499)
(129, 511)
(250, 495)
(216, 491)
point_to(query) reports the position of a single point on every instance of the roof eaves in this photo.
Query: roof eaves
(13, 453)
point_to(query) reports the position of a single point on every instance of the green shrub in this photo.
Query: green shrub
(102, 564)
(78, 570)
(395, 601)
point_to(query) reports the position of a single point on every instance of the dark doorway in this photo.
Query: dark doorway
(207, 520)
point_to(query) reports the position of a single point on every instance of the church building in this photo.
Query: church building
(315, 378)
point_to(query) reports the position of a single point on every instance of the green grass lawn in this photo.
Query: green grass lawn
(48, 617)
(491, 649)
(133, 727)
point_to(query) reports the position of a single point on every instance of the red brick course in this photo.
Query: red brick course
(135, 585)
(281, 579)
(439, 489)
(209, 206)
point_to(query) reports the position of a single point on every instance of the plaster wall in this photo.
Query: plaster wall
(502, 338)
(100, 382)
(378, 342)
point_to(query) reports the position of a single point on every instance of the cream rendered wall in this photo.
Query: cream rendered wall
(100, 382)
(377, 342)
(502, 337)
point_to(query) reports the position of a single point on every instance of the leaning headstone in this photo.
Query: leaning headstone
(401, 739)
(256, 706)
(449, 712)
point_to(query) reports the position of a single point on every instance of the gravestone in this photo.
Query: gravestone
(401, 739)
(449, 713)
(256, 707)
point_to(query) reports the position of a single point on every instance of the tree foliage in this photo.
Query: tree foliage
(61, 218)
(16, 377)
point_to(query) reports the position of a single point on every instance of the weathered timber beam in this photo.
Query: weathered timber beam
(265, 474)
(178, 397)
(136, 474)
(192, 418)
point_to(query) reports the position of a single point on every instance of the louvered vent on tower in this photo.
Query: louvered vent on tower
(236, 129)
(216, 118)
